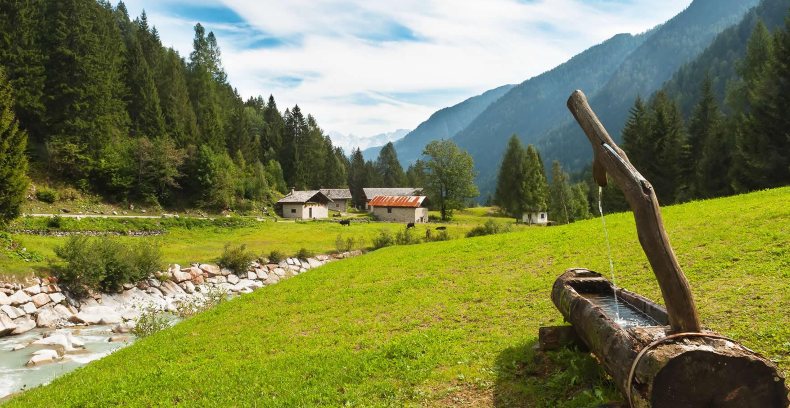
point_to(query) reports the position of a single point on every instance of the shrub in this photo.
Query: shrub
(69, 194)
(344, 245)
(276, 256)
(104, 263)
(406, 237)
(304, 253)
(438, 236)
(236, 258)
(383, 239)
(151, 320)
(47, 195)
(489, 228)
(55, 222)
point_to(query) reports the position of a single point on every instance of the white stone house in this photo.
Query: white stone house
(370, 193)
(306, 205)
(399, 208)
(341, 197)
(535, 218)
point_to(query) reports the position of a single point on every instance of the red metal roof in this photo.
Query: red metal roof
(397, 201)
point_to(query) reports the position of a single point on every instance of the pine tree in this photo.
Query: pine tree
(668, 142)
(389, 167)
(510, 194)
(415, 174)
(636, 133)
(536, 188)
(203, 91)
(708, 148)
(179, 117)
(357, 178)
(580, 206)
(560, 195)
(13, 161)
(449, 176)
(143, 105)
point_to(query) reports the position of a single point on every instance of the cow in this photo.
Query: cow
(442, 228)
(410, 225)
(347, 223)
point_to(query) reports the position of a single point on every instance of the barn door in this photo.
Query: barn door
(310, 212)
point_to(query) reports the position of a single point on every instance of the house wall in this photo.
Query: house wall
(302, 211)
(539, 218)
(339, 205)
(399, 214)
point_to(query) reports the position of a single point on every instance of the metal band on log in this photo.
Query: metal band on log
(670, 362)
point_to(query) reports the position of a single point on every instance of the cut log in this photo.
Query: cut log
(656, 368)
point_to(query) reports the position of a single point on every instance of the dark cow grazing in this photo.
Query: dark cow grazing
(441, 228)
(347, 223)
(410, 225)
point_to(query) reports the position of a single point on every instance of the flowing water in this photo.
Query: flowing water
(627, 315)
(15, 377)
(609, 253)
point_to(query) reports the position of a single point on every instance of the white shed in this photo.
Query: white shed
(399, 208)
(535, 218)
(307, 205)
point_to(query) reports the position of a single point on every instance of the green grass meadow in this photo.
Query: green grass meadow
(440, 324)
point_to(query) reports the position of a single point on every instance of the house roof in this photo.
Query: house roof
(304, 197)
(393, 192)
(337, 193)
(397, 201)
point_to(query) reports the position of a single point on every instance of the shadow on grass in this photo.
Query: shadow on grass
(527, 377)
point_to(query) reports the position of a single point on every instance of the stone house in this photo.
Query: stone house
(370, 193)
(306, 205)
(535, 218)
(341, 198)
(399, 208)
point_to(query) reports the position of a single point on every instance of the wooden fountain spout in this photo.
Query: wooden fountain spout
(610, 159)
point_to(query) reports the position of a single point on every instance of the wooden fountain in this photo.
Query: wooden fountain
(666, 359)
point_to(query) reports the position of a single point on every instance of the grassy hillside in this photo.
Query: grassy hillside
(450, 323)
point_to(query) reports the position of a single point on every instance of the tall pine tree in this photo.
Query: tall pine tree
(510, 191)
(13, 161)
(389, 167)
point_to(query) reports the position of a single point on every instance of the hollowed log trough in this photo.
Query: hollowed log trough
(670, 360)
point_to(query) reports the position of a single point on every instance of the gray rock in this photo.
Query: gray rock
(127, 286)
(303, 270)
(29, 308)
(233, 279)
(11, 311)
(252, 275)
(7, 325)
(280, 272)
(118, 339)
(273, 278)
(225, 272)
(4, 299)
(56, 297)
(97, 315)
(42, 357)
(210, 270)
(154, 283)
(65, 341)
(188, 287)
(20, 298)
(179, 276)
(123, 328)
(23, 325)
(41, 299)
(47, 317)
(130, 315)
(154, 291)
(314, 263)
(33, 290)
(221, 279)
(262, 275)
(63, 312)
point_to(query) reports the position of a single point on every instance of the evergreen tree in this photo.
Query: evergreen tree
(334, 172)
(143, 105)
(389, 167)
(561, 208)
(415, 174)
(510, 192)
(13, 161)
(636, 133)
(179, 117)
(203, 91)
(536, 188)
(357, 178)
(708, 148)
(668, 143)
(449, 176)
(580, 206)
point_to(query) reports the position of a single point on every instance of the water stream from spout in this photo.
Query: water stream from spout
(609, 253)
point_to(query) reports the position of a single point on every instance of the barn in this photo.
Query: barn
(370, 193)
(399, 208)
(341, 197)
(307, 205)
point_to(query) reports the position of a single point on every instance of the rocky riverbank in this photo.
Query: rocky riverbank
(46, 305)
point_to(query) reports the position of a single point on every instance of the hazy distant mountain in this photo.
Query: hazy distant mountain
(670, 46)
(444, 124)
(349, 142)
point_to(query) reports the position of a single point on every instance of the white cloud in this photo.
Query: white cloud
(345, 49)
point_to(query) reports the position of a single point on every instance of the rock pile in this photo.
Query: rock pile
(45, 304)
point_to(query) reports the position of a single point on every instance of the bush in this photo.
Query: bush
(55, 222)
(69, 194)
(406, 237)
(105, 264)
(151, 320)
(383, 239)
(438, 236)
(344, 245)
(236, 258)
(276, 256)
(304, 253)
(47, 195)
(489, 228)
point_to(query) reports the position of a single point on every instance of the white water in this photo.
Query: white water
(609, 253)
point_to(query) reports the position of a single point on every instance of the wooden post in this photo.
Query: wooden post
(609, 159)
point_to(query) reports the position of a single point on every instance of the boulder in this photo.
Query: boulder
(23, 325)
(50, 288)
(127, 286)
(188, 287)
(225, 272)
(47, 317)
(252, 275)
(11, 311)
(210, 270)
(7, 325)
(179, 276)
(154, 291)
(43, 357)
(314, 263)
(130, 315)
(197, 280)
(290, 261)
(169, 288)
(63, 312)
(174, 268)
(33, 290)
(56, 297)
(41, 299)
(4, 299)
(272, 267)
(262, 275)
(20, 298)
(221, 279)
(280, 272)
(29, 308)
(273, 278)
(303, 270)
(154, 283)
(118, 339)
(97, 315)
(123, 328)
(233, 279)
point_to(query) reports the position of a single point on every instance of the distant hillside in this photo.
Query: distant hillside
(350, 142)
(672, 45)
(535, 106)
(444, 124)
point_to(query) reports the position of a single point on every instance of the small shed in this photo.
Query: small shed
(308, 205)
(341, 197)
(535, 218)
(370, 193)
(399, 208)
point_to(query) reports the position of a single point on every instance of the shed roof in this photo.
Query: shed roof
(397, 201)
(393, 192)
(337, 193)
(304, 197)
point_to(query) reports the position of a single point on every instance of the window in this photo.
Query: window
(389, 210)
(293, 210)
(542, 216)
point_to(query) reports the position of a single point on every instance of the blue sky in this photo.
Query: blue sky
(366, 67)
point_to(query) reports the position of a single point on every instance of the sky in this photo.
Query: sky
(365, 67)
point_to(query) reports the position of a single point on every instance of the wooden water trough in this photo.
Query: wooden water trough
(657, 357)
